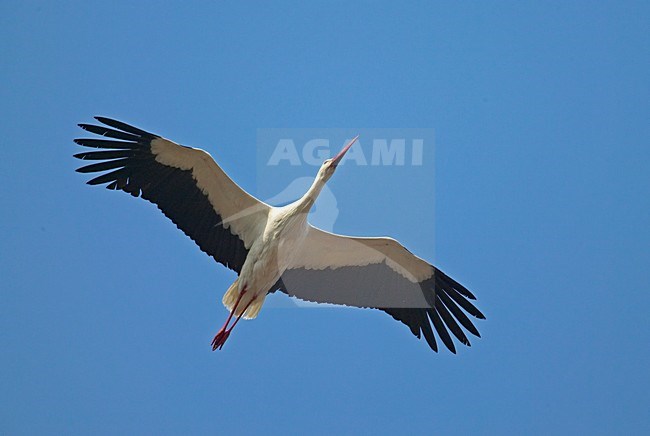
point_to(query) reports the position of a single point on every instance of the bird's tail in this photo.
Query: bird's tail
(255, 307)
(231, 295)
(230, 299)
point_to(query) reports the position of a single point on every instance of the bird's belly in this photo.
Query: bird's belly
(261, 270)
(266, 263)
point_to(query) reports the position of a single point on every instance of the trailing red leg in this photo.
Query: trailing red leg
(227, 332)
(222, 334)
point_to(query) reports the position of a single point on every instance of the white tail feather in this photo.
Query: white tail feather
(255, 307)
(231, 296)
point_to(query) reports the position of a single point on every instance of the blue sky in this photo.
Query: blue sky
(540, 112)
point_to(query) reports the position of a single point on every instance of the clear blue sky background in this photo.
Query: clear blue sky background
(541, 116)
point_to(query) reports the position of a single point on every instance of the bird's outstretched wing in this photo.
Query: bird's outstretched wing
(380, 273)
(185, 183)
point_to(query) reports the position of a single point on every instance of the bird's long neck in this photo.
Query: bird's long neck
(307, 201)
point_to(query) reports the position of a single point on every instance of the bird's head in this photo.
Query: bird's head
(329, 166)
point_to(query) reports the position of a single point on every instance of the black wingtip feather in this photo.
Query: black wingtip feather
(105, 143)
(118, 174)
(104, 166)
(442, 331)
(458, 314)
(427, 331)
(460, 299)
(124, 127)
(110, 133)
(454, 284)
(451, 323)
(105, 154)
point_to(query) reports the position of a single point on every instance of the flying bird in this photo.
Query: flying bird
(275, 248)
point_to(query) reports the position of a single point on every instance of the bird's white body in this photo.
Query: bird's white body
(268, 258)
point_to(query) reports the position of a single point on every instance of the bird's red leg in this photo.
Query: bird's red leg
(227, 333)
(223, 334)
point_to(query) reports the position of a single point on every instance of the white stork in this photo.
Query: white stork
(275, 248)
